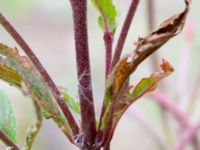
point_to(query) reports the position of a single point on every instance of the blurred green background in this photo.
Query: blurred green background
(47, 27)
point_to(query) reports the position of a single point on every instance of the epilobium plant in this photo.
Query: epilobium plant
(28, 75)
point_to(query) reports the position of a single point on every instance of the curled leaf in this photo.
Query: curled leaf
(118, 81)
(7, 117)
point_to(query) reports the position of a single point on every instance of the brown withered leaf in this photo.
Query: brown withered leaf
(117, 80)
(145, 47)
(144, 86)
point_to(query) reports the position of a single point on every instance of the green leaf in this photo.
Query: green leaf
(108, 13)
(7, 118)
(75, 106)
(144, 86)
(20, 72)
(26, 78)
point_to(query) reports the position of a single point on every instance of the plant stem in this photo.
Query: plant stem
(8, 141)
(107, 146)
(124, 31)
(141, 119)
(187, 136)
(151, 26)
(108, 40)
(168, 104)
(194, 96)
(181, 117)
(79, 8)
(29, 52)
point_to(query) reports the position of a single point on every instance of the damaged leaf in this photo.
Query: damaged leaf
(116, 85)
(27, 79)
(145, 86)
(10, 75)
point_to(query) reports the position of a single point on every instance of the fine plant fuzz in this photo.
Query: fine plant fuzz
(27, 74)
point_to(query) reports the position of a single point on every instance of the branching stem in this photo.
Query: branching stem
(79, 8)
(8, 141)
(29, 52)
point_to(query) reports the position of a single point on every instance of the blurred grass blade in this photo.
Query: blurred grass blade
(7, 117)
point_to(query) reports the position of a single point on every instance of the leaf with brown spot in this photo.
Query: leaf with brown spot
(144, 47)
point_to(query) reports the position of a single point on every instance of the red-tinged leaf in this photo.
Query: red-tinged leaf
(116, 85)
(145, 86)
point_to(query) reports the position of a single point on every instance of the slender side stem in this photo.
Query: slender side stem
(151, 26)
(151, 14)
(8, 141)
(168, 104)
(141, 119)
(187, 136)
(108, 40)
(29, 52)
(124, 31)
(79, 8)
(194, 96)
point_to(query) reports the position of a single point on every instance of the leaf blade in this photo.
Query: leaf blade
(108, 14)
(7, 117)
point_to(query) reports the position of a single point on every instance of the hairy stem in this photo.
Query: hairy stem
(108, 40)
(79, 8)
(29, 52)
(8, 141)
(124, 31)
(107, 146)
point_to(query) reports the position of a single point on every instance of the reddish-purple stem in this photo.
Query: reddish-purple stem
(79, 8)
(168, 104)
(8, 141)
(29, 52)
(124, 31)
(108, 40)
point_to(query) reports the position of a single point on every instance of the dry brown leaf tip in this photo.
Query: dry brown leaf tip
(166, 67)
